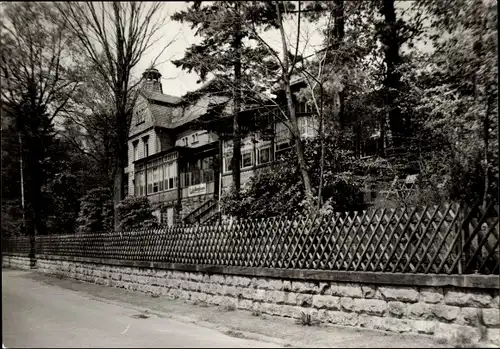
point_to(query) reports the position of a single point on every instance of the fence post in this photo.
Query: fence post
(32, 249)
(467, 211)
(460, 245)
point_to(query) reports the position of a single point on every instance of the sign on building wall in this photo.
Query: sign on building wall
(198, 189)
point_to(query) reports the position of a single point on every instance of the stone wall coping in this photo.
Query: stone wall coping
(15, 254)
(433, 280)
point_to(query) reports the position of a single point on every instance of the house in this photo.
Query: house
(180, 149)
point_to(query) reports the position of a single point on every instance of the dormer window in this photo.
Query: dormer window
(140, 116)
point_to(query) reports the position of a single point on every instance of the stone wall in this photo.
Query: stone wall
(189, 204)
(17, 262)
(440, 311)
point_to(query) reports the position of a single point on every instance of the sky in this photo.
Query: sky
(177, 82)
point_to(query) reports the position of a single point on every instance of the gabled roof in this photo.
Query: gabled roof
(160, 97)
(171, 112)
(162, 115)
(194, 111)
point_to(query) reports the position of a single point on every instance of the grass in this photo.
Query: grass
(307, 320)
(140, 316)
(459, 340)
(256, 313)
(234, 334)
(442, 341)
(229, 307)
(202, 304)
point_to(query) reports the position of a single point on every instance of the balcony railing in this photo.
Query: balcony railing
(196, 177)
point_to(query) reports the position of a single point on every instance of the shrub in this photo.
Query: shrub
(96, 211)
(279, 190)
(136, 213)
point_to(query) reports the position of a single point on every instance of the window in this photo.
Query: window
(228, 163)
(150, 180)
(195, 177)
(170, 175)
(302, 108)
(158, 144)
(140, 116)
(139, 184)
(156, 185)
(283, 145)
(283, 138)
(246, 159)
(160, 178)
(185, 141)
(165, 176)
(194, 138)
(125, 178)
(282, 132)
(145, 140)
(264, 155)
(207, 163)
(307, 126)
(136, 151)
(228, 146)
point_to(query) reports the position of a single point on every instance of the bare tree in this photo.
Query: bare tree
(114, 36)
(38, 80)
(35, 57)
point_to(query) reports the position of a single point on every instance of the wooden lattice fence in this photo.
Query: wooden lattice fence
(444, 239)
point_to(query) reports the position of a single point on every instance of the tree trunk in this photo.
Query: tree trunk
(299, 147)
(34, 197)
(122, 124)
(357, 139)
(389, 37)
(381, 140)
(237, 107)
(486, 165)
(117, 195)
(322, 149)
(338, 37)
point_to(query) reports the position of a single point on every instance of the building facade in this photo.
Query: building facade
(181, 163)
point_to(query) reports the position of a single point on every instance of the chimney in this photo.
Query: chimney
(151, 80)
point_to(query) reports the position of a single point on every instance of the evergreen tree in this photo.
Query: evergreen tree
(12, 214)
(228, 51)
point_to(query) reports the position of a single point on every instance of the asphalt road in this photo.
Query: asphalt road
(37, 315)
